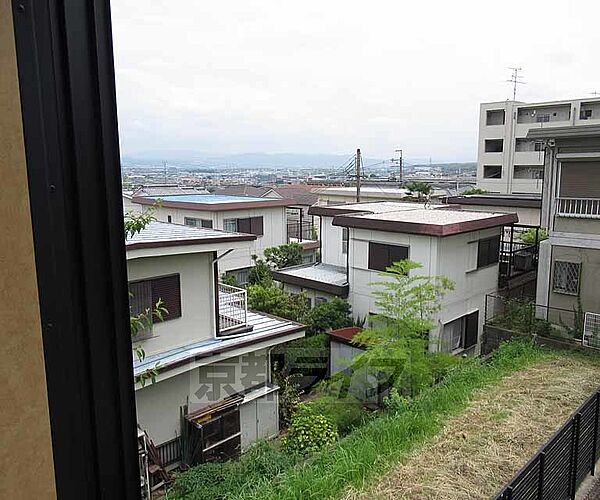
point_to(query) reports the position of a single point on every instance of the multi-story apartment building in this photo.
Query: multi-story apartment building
(361, 240)
(569, 260)
(511, 162)
(210, 351)
(265, 218)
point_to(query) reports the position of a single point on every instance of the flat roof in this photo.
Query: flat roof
(324, 277)
(427, 221)
(564, 132)
(265, 327)
(375, 207)
(164, 234)
(345, 335)
(211, 202)
(503, 200)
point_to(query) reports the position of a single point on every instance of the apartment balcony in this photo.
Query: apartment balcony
(579, 208)
(233, 309)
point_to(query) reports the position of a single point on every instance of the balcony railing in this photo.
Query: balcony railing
(233, 308)
(584, 208)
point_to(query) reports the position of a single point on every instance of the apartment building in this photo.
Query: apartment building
(264, 218)
(211, 352)
(360, 240)
(569, 268)
(511, 162)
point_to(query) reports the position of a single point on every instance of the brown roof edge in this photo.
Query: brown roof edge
(340, 290)
(332, 210)
(422, 228)
(193, 241)
(190, 359)
(497, 201)
(214, 207)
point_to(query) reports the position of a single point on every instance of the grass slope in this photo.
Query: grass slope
(374, 448)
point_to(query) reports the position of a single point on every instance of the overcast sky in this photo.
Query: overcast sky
(327, 76)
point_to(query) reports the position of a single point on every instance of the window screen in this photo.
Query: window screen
(566, 277)
(146, 293)
(461, 333)
(230, 225)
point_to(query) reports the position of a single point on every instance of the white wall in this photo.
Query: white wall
(158, 404)
(274, 224)
(197, 321)
(451, 256)
(331, 244)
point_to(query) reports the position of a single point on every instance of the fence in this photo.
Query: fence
(233, 307)
(170, 452)
(528, 318)
(301, 232)
(516, 256)
(562, 464)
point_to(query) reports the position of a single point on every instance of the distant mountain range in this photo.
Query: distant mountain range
(193, 159)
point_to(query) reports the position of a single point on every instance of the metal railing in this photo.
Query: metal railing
(301, 232)
(562, 464)
(517, 257)
(586, 208)
(233, 307)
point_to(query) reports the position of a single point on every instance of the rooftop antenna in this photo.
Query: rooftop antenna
(595, 92)
(515, 79)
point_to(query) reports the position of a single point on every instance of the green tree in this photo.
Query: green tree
(273, 300)
(289, 254)
(134, 223)
(421, 189)
(330, 315)
(529, 236)
(260, 274)
(398, 349)
(473, 191)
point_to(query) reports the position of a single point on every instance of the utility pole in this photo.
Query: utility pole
(515, 79)
(165, 171)
(399, 151)
(357, 161)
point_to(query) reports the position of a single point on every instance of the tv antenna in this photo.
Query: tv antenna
(515, 79)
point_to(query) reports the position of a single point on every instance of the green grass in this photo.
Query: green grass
(371, 450)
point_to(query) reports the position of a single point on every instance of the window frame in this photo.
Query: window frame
(469, 334)
(564, 290)
(376, 246)
(345, 239)
(487, 243)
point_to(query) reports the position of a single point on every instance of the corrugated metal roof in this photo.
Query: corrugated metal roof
(264, 327)
(324, 273)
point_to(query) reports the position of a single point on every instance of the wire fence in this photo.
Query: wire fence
(563, 463)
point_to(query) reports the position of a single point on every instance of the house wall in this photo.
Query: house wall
(310, 293)
(274, 225)
(331, 243)
(197, 321)
(26, 457)
(158, 404)
(453, 256)
(527, 215)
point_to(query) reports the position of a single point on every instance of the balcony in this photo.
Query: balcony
(580, 208)
(233, 309)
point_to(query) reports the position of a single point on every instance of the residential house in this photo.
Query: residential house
(211, 352)
(156, 190)
(509, 160)
(361, 240)
(569, 269)
(264, 218)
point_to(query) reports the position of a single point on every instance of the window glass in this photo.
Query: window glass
(230, 225)
(566, 277)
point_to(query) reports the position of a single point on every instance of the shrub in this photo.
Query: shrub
(473, 191)
(289, 254)
(329, 315)
(289, 395)
(309, 432)
(529, 235)
(307, 357)
(395, 402)
(345, 413)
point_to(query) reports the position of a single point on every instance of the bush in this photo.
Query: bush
(473, 191)
(307, 357)
(289, 395)
(396, 403)
(329, 315)
(529, 235)
(345, 413)
(289, 254)
(309, 432)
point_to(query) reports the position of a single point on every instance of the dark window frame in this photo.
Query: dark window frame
(469, 333)
(249, 225)
(204, 223)
(174, 310)
(488, 251)
(381, 257)
(67, 91)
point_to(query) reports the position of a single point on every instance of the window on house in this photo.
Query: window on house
(146, 293)
(460, 333)
(495, 117)
(565, 278)
(492, 171)
(249, 225)
(345, 240)
(320, 300)
(585, 114)
(488, 251)
(542, 118)
(169, 218)
(240, 275)
(381, 256)
(494, 145)
(194, 222)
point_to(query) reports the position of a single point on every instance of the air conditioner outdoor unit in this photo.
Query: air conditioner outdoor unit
(591, 330)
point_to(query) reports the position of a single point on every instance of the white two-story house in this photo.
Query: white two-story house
(362, 240)
(265, 218)
(210, 352)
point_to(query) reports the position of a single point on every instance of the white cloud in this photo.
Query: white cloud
(329, 76)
